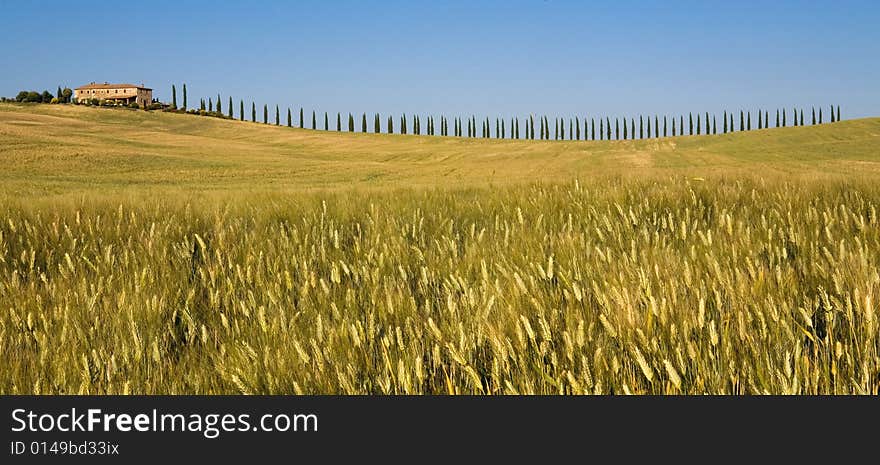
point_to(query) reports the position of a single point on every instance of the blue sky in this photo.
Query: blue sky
(460, 57)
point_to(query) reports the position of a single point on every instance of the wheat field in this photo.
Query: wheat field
(757, 283)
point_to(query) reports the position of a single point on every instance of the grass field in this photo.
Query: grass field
(160, 253)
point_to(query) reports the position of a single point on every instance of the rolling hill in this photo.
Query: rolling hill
(50, 150)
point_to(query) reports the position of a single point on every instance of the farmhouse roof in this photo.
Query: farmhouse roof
(106, 85)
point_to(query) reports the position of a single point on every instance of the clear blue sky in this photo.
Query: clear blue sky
(460, 57)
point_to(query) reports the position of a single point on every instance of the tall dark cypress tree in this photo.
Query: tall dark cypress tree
(820, 115)
(673, 127)
(314, 120)
(777, 118)
(681, 125)
(326, 122)
(390, 125)
(617, 128)
(173, 97)
(338, 122)
(230, 108)
(241, 110)
(608, 127)
(363, 122)
(210, 105)
(289, 118)
(184, 97)
(219, 106)
(749, 121)
(301, 118)
(714, 126)
(265, 114)
(601, 129)
(698, 125)
(766, 119)
(813, 120)
(625, 135)
(691, 123)
(656, 126)
(760, 125)
(351, 123)
(832, 114)
(725, 122)
(783, 118)
(641, 128)
(253, 112)
(277, 116)
(707, 123)
(802, 116)
(665, 126)
(742, 120)
(838, 113)
(503, 132)
(632, 127)
(377, 128)
(532, 126)
(593, 128)
(517, 127)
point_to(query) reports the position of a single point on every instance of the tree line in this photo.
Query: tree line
(64, 95)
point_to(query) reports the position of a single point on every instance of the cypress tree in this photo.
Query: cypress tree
(241, 110)
(230, 108)
(777, 117)
(838, 113)
(698, 125)
(642, 128)
(742, 119)
(593, 128)
(802, 116)
(608, 128)
(732, 129)
(338, 122)
(301, 120)
(714, 126)
(219, 106)
(625, 135)
(760, 125)
(601, 129)
(725, 122)
(664, 125)
(403, 124)
(783, 117)
(390, 125)
(517, 127)
(820, 115)
(253, 112)
(577, 128)
(173, 97)
(532, 126)
(813, 120)
(766, 119)
(363, 122)
(326, 122)
(691, 123)
(555, 128)
(210, 105)
(289, 118)
(184, 97)
(656, 126)
(832, 114)
(707, 123)
(617, 128)
(749, 121)
(314, 120)
(561, 124)
(673, 127)
(350, 122)
(277, 116)
(376, 127)
(265, 114)
(632, 128)
(503, 132)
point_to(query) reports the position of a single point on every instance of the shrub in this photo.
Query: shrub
(54, 100)
(134, 105)
(156, 106)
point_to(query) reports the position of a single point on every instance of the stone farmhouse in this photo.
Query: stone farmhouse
(121, 93)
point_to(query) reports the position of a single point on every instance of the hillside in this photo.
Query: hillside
(51, 150)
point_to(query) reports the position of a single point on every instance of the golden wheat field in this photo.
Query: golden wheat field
(752, 283)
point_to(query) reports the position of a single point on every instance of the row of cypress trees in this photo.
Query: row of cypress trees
(593, 128)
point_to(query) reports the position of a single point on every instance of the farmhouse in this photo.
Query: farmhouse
(122, 93)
